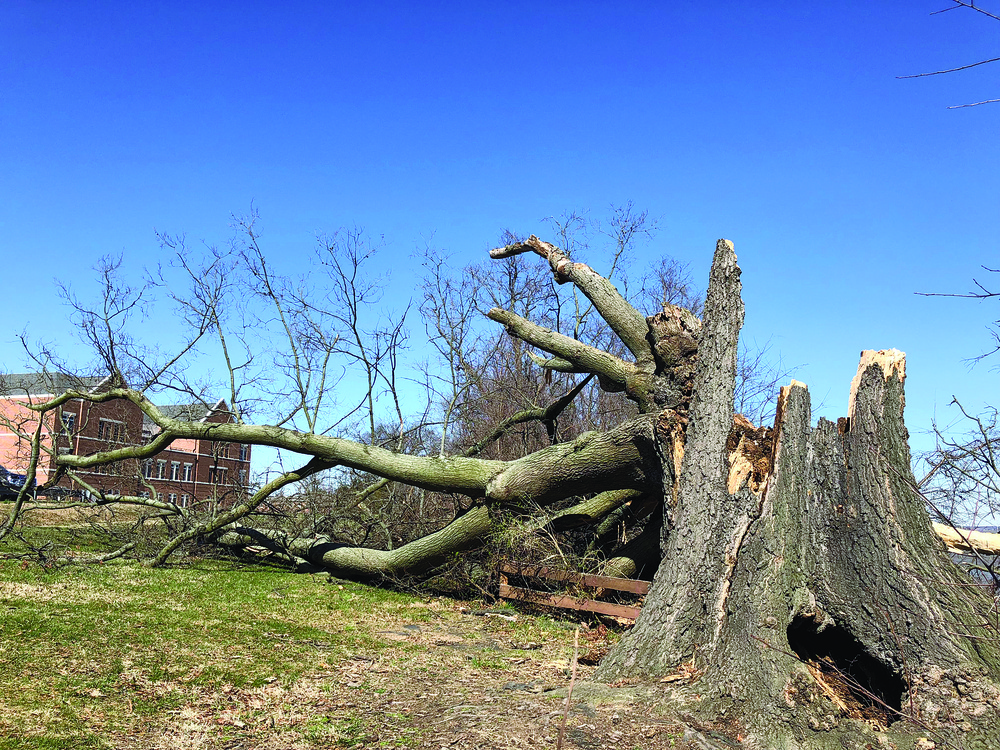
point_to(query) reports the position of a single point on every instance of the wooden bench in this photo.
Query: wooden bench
(565, 601)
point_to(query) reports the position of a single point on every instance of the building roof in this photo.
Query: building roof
(55, 383)
(194, 412)
(45, 383)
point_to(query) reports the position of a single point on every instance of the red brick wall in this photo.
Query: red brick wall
(102, 426)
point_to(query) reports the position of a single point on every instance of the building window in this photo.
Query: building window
(161, 469)
(173, 497)
(187, 472)
(243, 477)
(144, 493)
(175, 470)
(217, 475)
(147, 469)
(184, 500)
(222, 450)
(244, 452)
(69, 421)
(111, 431)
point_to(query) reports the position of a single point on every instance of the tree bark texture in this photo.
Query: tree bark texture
(802, 592)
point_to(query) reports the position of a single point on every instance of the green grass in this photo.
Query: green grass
(108, 656)
(89, 651)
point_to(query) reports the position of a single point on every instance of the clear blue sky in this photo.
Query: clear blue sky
(779, 126)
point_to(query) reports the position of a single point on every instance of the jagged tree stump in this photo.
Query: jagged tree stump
(802, 593)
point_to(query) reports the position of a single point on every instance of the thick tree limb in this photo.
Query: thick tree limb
(580, 357)
(591, 463)
(596, 461)
(418, 556)
(455, 474)
(627, 322)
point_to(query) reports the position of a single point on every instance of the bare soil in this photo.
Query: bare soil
(462, 681)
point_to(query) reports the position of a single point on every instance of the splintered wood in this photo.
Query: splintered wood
(749, 450)
(964, 540)
(892, 362)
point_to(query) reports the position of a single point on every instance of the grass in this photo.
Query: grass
(213, 654)
(96, 650)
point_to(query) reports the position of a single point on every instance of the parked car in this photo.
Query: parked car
(11, 483)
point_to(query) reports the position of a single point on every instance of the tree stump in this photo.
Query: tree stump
(801, 585)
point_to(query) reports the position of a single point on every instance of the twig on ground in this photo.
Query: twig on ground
(569, 693)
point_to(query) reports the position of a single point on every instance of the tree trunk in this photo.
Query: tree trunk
(800, 575)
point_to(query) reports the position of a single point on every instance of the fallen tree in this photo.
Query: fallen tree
(801, 594)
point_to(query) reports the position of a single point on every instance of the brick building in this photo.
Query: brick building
(188, 471)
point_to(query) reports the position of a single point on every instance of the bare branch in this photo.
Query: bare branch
(627, 323)
(953, 70)
(971, 5)
(974, 104)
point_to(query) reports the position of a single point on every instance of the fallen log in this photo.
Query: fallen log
(965, 540)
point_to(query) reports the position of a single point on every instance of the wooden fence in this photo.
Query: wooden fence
(565, 601)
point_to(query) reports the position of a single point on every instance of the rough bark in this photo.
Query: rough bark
(813, 601)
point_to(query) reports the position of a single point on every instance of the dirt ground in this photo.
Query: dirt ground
(466, 681)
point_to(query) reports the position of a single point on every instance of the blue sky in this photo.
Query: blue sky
(780, 126)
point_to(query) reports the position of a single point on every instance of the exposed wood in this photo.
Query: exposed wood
(964, 540)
